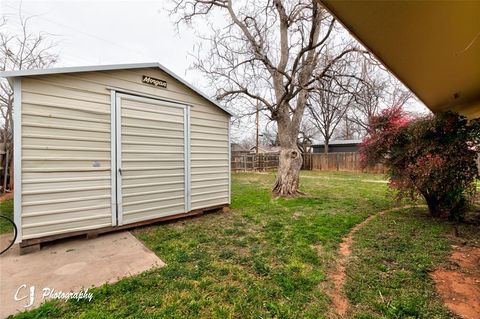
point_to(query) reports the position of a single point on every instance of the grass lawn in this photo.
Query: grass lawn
(6, 209)
(270, 258)
(387, 276)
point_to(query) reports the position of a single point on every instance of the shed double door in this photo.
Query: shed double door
(151, 159)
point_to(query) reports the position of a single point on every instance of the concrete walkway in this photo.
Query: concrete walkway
(70, 266)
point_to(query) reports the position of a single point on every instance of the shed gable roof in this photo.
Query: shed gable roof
(93, 68)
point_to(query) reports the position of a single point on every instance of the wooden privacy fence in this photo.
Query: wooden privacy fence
(349, 162)
(246, 162)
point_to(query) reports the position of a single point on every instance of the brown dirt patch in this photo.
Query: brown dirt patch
(459, 286)
(337, 276)
(6, 196)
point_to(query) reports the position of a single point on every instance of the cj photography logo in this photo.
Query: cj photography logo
(26, 294)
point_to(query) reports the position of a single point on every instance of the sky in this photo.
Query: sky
(93, 32)
(109, 32)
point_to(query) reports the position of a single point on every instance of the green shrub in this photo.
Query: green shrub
(432, 156)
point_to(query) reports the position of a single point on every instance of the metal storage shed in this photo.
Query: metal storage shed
(108, 147)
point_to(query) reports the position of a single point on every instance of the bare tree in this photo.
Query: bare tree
(306, 136)
(269, 135)
(18, 51)
(332, 97)
(247, 142)
(378, 90)
(367, 101)
(348, 130)
(269, 52)
(399, 95)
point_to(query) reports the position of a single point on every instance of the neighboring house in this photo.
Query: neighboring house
(265, 149)
(238, 149)
(340, 146)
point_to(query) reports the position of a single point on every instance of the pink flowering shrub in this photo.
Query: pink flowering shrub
(433, 157)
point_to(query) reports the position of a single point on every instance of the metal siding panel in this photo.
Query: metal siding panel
(96, 81)
(153, 176)
(54, 95)
(97, 221)
(187, 169)
(209, 161)
(63, 140)
(200, 122)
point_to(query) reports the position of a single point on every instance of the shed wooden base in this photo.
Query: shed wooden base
(34, 244)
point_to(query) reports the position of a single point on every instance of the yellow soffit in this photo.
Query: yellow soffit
(433, 47)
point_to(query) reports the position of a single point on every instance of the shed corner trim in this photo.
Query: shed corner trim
(17, 159)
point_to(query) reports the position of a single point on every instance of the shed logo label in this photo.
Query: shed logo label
(155, 82)
(28, 294)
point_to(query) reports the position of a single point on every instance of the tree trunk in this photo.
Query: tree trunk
(433, 205)
(325, 150)
(290, 162)
(287, 181)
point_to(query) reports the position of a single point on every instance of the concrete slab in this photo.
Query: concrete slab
(70, 266)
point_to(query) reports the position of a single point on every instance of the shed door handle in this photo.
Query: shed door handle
(120, 171)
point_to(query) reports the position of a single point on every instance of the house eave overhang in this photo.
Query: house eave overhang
(432, 47)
